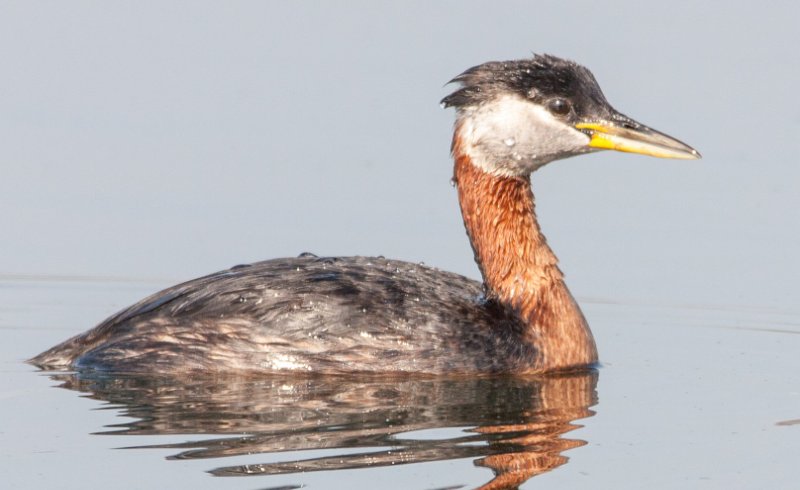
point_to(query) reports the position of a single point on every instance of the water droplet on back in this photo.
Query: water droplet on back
(510, 141)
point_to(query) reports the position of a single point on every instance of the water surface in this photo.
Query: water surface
(714, 406)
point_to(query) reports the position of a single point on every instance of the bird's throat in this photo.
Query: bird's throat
(509, 247)
(519, 268)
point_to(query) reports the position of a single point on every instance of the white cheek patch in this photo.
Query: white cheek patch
(513, 136)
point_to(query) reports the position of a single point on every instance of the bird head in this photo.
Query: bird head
(515, 116)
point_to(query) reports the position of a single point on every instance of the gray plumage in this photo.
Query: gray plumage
(326, 315)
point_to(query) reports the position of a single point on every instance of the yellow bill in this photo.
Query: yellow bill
(629, 136)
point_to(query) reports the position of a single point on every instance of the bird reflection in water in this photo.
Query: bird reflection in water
(515, 426)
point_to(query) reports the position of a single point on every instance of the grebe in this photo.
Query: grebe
(368, 314)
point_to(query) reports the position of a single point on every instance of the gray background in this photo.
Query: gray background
(144, 143)
(169, 140)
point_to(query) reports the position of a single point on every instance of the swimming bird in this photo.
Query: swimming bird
(374, 315)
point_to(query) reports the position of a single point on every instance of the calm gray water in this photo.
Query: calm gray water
(147, 144)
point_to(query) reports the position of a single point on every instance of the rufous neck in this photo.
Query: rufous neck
(509, 247)
(519, 268)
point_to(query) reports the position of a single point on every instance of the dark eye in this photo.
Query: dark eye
(559, 107)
